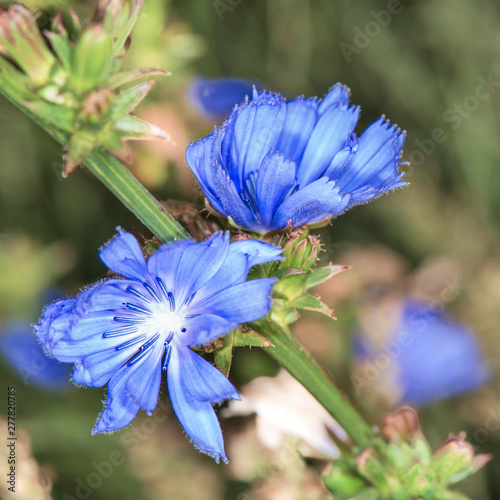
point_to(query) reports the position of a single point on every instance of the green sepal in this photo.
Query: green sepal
(224, 356)
(127, 100)
(311, 303)
(318, 276)
(249, 338)
(80, 146)
(61, 46)
(132, 75)
(130, 127)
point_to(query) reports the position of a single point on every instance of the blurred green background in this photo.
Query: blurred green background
(420, 64)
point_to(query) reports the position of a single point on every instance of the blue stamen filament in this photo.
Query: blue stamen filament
(118, 333)
(171, 300)
(168, 353)
(120, 319)
(190, 299)
(169, 338)
(151, 291)
(138, 294)
(136, 308)
(143, 350)
(162, 286)
(130, 342)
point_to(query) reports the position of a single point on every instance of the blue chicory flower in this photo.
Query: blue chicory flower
(22, 351)
(215, 98)
(125, 332)
(274, 163)
(418, 355)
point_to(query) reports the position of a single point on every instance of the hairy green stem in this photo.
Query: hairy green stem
(293, 357)
(287, 351)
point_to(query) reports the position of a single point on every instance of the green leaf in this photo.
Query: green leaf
(311, 303)
(320, 275)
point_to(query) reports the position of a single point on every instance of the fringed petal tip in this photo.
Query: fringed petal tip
(216, 455)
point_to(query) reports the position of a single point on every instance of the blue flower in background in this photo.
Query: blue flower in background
(274, 163)
(215, 98)
(419, 355)
(125, 332)
(22, 351)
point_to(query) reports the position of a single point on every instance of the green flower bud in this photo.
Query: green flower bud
(455, 460)
(21, 41)
(342, 480)
(300, 250)
(92, 60)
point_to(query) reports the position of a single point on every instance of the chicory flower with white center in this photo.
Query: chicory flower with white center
(125, 332)
(275, 163)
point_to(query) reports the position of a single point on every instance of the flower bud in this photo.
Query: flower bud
(22, 42)
(455, 459)
(301, 250)
(118, 17)
(92, 59)
(342, 480)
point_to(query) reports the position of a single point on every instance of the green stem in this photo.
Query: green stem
(293, 357)
(110, 171)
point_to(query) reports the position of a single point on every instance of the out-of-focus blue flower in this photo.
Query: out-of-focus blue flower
(215, 98)
(416, 355)
(22, 351)
(125, 332)
(274, 163)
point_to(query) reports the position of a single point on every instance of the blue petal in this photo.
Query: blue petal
(376, 161)
(200, 158)
(123, 255)
(338, 95)
(257, 129)
(24, 354)
(164, 263)
(204, 328)
(196, 417)
(329, 136)
(231, 201)
(199, 263)
(301, 117)
(132, 388)
(311, 204)
(215, 98)
(55, 322)
(275, 179)
(202, 380)
(240, 303)
(343, 158)
(241, 257)
(256, 252)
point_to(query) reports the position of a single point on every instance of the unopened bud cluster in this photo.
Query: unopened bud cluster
(409, 470)
(77, 87)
